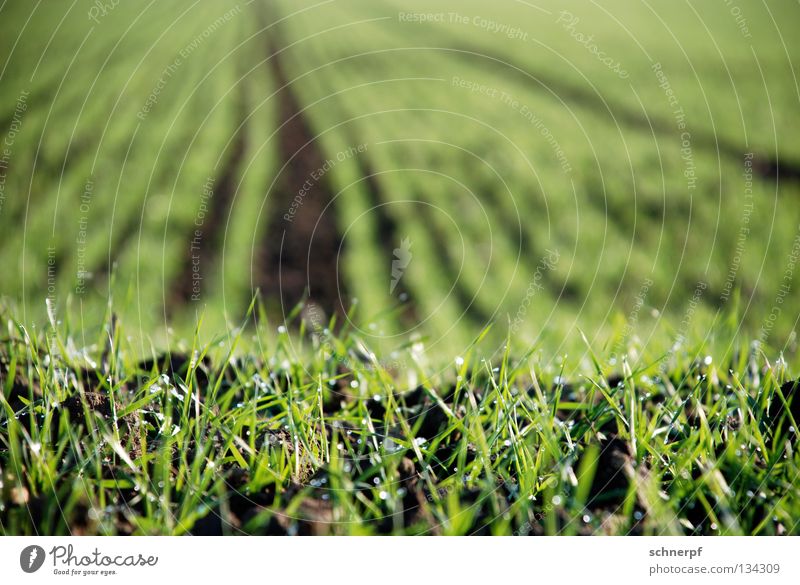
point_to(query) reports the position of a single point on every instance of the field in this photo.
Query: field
(399, 267)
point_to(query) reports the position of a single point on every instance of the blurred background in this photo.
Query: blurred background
(416, 169)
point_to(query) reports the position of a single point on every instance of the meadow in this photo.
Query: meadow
(399, 267)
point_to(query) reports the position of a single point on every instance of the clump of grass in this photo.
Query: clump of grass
(316, 434)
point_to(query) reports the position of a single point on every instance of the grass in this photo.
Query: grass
(103, 173)
(484, 200)
(311, 433)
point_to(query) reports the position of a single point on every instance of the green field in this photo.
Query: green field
(488, 137)
(332, 201)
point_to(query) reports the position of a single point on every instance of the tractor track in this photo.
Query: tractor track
(299, 257)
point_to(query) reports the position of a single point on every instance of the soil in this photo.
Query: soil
(299, 258)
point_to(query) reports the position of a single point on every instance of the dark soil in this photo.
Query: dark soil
(300, 257)
(776, 169)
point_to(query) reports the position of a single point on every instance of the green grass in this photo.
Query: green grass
(490, 190)
(594, 331)
(308, 432)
